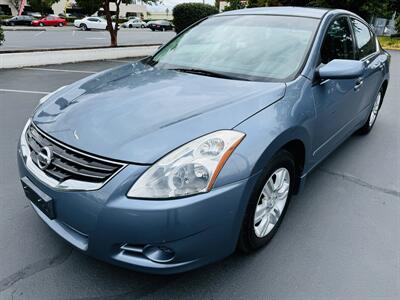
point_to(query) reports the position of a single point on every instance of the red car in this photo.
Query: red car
(50, 21)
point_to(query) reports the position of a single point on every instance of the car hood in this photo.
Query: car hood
(136, 113)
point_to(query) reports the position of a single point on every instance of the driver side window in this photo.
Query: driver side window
(338, 41)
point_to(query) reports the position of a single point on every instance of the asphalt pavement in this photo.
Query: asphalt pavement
(71, 37)
(339, 240)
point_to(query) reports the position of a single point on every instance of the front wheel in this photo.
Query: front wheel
(83, 27)
(60, 24)
(367, 127)
(268, 202)
(41, 24)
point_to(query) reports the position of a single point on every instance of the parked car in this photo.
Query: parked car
(18, 20)
(36, 15)
(134, 23)
(160, 25)
(176, 160)
(50, 21)
(89, 23)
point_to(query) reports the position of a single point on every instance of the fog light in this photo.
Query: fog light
(160, 254)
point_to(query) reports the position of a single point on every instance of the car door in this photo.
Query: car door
(50, 21)
(99, 24)
(90, 23)
(27, 20)
(368, 51)
(336, 100)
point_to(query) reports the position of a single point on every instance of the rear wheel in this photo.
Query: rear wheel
(12, 24)
(367, 127)
(268, 203)
(60, 24)
(41, 24)
(130, 26)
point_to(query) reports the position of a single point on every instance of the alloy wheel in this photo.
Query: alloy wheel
(271, 202)
(375, 109)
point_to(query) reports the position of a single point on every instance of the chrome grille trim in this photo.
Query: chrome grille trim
(70, 169)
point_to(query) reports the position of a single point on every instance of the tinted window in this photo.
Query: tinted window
(254, 47)
(365, 40)
(92, 20)
(338, 41)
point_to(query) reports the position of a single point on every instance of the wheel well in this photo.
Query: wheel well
(297, 149)
(384, 87)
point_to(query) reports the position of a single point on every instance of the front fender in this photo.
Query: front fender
(289, 119)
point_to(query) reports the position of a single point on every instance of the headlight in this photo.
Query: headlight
(45, 98)
(190, 169)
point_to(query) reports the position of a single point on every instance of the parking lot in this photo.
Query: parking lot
(71, 37)
(340, 237)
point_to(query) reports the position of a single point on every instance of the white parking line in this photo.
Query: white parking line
(24, 92)
(60, 70)
(39, 33)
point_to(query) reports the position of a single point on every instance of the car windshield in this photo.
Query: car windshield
(263, 47)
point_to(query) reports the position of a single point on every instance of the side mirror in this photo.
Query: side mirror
(341, 69)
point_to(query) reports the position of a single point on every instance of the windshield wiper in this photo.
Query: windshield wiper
(207, 73)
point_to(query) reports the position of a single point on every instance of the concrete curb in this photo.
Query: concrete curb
(40, 58)
(23, 29)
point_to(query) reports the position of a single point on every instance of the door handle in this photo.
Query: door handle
(359, 83)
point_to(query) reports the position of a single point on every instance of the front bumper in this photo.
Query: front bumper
(105, 223)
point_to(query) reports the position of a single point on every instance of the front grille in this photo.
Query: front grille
(69, 164)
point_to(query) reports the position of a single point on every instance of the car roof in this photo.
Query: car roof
(309, 12)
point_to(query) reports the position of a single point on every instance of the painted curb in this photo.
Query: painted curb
(40, 58)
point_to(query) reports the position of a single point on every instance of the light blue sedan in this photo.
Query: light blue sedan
(175, 161)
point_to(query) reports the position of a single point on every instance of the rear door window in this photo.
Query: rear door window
(365, 39)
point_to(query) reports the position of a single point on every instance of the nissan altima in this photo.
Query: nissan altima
(174, 161)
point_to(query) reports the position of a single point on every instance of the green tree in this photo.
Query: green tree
(185, 14)
(235, 4)
(42, 6)
(89, 7)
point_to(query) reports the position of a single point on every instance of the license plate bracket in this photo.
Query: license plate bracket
(38, 198)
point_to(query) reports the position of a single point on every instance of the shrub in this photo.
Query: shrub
(186, 14)
(1, 35)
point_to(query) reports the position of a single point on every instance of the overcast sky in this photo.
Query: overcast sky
(171, 3)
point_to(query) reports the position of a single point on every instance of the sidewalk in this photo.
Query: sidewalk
(22, 59)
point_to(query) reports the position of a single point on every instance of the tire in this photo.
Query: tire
(153, 29)
(130, 26)
(83, 27)
(252, 234)
(142, 26)
(163, 29)
(12, 24)
(41, 24)
(60, 24)
(370, 122)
